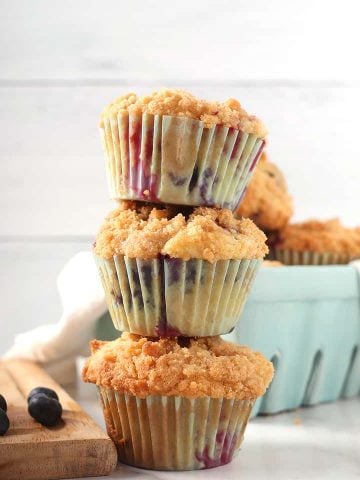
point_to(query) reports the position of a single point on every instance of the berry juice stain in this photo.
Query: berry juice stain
(228, 442)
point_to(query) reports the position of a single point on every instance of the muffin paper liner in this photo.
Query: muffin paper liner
(292, 257)
(172, 297)
(175, 433)
(161, 158)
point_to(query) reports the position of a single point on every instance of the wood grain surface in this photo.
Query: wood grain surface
(76, 447)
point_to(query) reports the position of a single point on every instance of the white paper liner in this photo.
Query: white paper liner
(177, 160)
(175, 433)
(293, 257)
(173, 297)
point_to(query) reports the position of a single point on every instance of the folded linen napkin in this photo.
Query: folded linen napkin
(56, 346)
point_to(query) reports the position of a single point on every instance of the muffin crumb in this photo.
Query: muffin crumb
(180, 103)
(146, 231)
(207, 366)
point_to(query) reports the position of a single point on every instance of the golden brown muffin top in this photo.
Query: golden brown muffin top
(201, 367)
(267, 200)
(180, 103)
(320, 236)
(146, 231)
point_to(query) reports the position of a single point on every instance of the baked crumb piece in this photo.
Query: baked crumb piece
(267, 200)
(180, 103)
(146, 231)
(207, 366)
(272, 263)
(320, 236)
(297, 421)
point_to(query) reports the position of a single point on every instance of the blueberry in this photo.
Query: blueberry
(3, 404)
(206, 178)
(147, 275)
(45, 410)
(46, 391)
(174, 269)
(191, 270)
(176, 180)
(4, 422)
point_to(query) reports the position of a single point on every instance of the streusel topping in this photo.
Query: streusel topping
(207, 366)
(180, 103)
(317, 236)
(211, 234)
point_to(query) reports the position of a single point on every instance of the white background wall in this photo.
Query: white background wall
(295, 64)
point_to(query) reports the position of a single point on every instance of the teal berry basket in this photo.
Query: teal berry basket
(306, 320)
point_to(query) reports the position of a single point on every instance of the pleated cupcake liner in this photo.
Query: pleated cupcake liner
(175, 433)
(172, 297)
(167, 159)
(293, 257)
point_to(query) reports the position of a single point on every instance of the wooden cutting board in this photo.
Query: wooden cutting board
(77, 447)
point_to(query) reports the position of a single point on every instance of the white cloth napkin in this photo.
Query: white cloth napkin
(56, 346)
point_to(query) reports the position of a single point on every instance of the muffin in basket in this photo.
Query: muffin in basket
(316, 242)
(169, 272)
(172, 147)
(176, 404)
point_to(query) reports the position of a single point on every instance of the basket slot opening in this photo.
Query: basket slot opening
(354, 359)
(313, 381)
(266, 399)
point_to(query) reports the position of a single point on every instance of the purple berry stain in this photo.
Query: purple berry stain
(144, 174)
(257, 156)
(190, 276)
(194, 179)
(236, 147)
(146, 273)
(206, 179)
(228, 442)
(164, 329)
(117, 297)
(134, 140)
(176, 180)
(174, 270)
(137, 292)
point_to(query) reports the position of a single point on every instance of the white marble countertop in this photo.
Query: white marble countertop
(321, 442)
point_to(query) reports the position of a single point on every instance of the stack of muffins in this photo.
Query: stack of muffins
(176, 267)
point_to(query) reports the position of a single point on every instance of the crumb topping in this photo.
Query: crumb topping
(211, 234)
(327, 236)
(207, 366)
(267, 200)
(180, 103)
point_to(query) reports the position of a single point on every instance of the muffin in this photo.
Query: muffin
(172, 147)
(316, 243)
(267, 201)
(176, 404)
(169, 272)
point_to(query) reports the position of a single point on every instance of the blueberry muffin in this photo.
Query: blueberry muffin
(176, 404)
(316, 242)
(171, 272)
(172, 147)
(267, 201)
